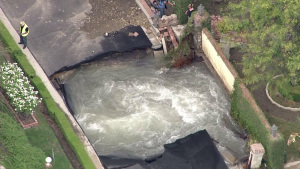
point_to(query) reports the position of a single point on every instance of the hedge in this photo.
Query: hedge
(242, 110)
(54, 110)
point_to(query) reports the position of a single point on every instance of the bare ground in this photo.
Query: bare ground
(112, 15)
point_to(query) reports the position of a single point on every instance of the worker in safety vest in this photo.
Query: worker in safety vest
(24, 31)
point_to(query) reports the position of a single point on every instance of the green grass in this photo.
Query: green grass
(44, 138)
(286, 128)
(16, 152)
(287, 90)
(249, 118)
(54, 111)
(3, 107)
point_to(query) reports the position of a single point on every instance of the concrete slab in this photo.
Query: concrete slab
(156, 44)
(164, 46)
(178, 30)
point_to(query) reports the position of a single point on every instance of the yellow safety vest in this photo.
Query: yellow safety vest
(23, 31)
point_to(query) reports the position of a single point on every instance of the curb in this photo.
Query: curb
(275, 103)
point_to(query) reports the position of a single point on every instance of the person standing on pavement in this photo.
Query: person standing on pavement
(24, 31)
(156, 11)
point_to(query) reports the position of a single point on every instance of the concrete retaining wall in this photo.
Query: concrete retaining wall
(227, 73)
(218, 60)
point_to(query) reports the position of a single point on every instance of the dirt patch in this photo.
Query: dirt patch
(26, 119)
(112, 15)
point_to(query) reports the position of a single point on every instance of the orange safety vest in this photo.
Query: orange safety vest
(23, 31)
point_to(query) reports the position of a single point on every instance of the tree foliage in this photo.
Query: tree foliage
(271, 28)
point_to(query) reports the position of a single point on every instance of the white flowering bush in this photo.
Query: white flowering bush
(17, 87)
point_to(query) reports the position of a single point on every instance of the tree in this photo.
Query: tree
(272, 31)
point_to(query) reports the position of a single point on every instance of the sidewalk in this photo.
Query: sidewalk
(58, 99)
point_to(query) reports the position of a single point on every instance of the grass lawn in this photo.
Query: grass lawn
(42, 136)
(286, 128)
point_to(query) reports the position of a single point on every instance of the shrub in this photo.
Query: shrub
(17, 87)
(223, 26)
(179, 9)
(189, 29)
(242, 110)
(286, 89)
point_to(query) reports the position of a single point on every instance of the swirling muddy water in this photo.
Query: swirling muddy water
(132, 109)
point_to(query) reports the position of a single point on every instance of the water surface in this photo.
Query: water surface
(131, 109)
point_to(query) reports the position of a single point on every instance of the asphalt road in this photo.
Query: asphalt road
(56, 39)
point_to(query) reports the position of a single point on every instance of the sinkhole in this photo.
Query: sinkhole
(130, 109)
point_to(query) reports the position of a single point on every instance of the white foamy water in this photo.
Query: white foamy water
(132, 110)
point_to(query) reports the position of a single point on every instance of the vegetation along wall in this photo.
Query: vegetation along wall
(243, 106)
